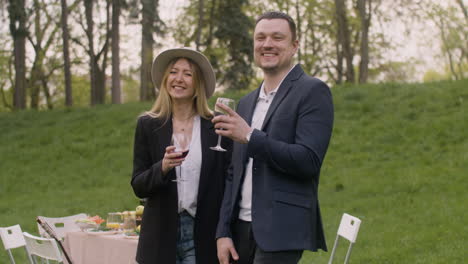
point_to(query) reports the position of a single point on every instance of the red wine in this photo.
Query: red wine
(184, 154)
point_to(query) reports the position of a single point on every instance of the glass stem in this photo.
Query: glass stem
(219, 141)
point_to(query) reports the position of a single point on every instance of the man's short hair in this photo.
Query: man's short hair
(279, 15)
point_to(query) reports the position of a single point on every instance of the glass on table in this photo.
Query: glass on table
(218, 111)
(114, 221)
(129, 222)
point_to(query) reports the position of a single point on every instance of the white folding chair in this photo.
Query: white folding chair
(61, 225)
(348, 229)
(12, 237)
(44, 248)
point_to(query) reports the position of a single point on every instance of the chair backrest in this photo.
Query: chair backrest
(348, 229)
(45, 248)
(12, 237)
(61, 225)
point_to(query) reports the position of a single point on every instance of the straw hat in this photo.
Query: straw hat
(161, 62)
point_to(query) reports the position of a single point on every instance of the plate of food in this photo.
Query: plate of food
(132, 234)
(89, 222)
(102, 231)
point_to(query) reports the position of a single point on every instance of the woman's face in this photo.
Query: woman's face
(179, 81)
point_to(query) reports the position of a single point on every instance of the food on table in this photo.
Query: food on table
(89, 222)
(113, 225)
(139, 210)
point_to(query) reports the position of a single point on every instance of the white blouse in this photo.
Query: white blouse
(189, 172)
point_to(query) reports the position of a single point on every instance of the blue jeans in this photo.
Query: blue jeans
(185, 252)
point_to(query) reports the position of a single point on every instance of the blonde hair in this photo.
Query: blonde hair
(162, 107)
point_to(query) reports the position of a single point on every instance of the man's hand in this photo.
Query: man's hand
(225, 250)
(234, 126)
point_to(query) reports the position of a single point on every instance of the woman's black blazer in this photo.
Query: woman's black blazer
(157, 242)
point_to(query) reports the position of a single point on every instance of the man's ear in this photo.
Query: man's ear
(296, 45)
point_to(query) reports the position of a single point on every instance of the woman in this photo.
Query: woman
(180, 217)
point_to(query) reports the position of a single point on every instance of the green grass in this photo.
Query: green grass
(398, 160)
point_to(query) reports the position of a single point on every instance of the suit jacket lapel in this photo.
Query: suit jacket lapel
(250, 103)
(163, 134)
(282, 92)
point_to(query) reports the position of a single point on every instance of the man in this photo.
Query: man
(270, 211)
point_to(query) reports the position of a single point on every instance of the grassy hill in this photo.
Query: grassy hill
(398, 160)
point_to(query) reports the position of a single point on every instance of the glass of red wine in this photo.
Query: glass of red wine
(182, 143)
(218, 111)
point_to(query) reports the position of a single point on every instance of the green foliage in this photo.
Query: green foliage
(453, 36)
(234, 33)
(225, 38)
(398, 160)
(6, 94)
(432, 75)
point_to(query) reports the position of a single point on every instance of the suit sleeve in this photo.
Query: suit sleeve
(147, 176)
(303, 157)
(224, 223)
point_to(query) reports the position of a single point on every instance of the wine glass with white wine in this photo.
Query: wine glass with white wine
(218, 111)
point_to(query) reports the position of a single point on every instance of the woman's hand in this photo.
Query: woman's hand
(171, 159)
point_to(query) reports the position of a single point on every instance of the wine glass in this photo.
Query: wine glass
(218, 111)
(182, 144)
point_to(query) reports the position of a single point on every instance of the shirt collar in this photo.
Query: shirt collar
(263, 95)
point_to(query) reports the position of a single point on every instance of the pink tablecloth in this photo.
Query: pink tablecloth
(85, 248)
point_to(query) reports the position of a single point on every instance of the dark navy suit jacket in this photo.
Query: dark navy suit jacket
(287, 155)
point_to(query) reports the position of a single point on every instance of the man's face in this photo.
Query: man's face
(273, 45)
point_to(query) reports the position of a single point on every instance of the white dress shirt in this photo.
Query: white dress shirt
(263, 103)
(189, 172)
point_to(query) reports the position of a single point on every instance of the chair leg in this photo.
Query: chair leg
(29, 256)
(12, 260)
(332, 255)
(348, 253)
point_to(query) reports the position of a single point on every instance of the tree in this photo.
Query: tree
(151, 24)
(66, 53)
(6, 64)
(453, 36)
(234, 34)
(97, 72)
(116, 89)
(344, 39)
(42, 38)
(222, 32)
(17, 13)
(365, 13)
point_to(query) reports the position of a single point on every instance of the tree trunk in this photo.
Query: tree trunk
(298, 31)
(343, 32)
(18, 31)
(92, 57)
(339, 63)
(463, 8)
(448, 51)
(209, 39)
(147, 43)
(116, 89)
(101, 73)
(66, 54)
(364, 50)
(200, 24)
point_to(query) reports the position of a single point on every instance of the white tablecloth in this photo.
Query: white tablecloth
(85, 248)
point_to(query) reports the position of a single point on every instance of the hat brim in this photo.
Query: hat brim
(161, 62)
